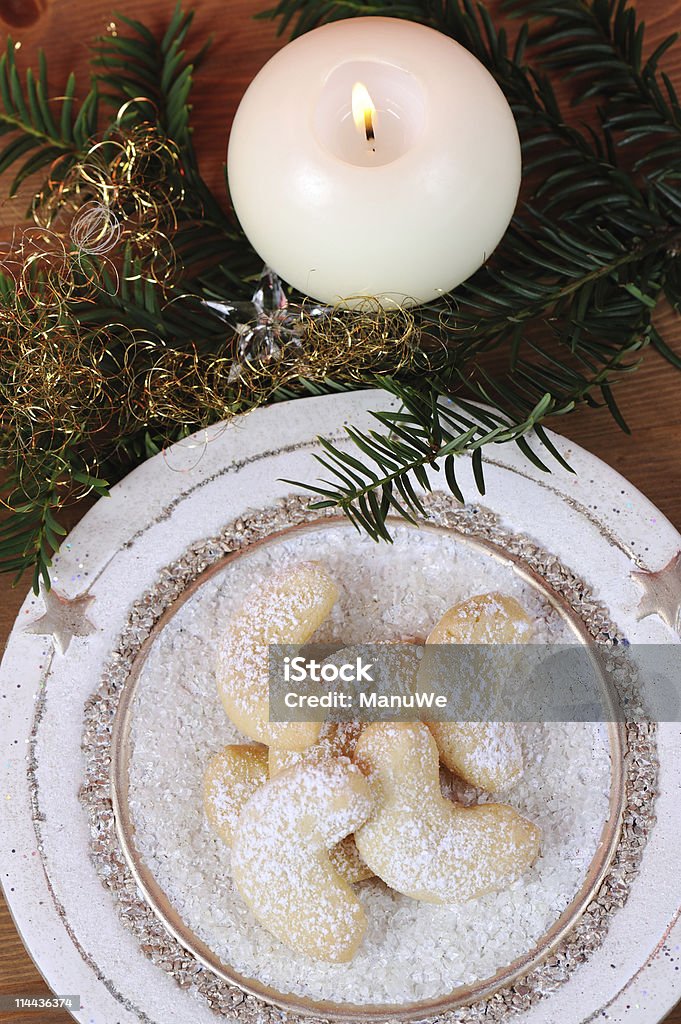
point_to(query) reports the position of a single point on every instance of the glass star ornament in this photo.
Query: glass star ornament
(661, 592)
(266, 324)
(63, 619)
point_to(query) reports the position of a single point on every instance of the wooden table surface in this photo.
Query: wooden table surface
(651, 458)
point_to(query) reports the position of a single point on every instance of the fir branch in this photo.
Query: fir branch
(382, 471)
(600, 45)
(436, 423)
(566, 303)
(30, 531)
(29, 537)
(151, 79)
(299, 16)
(569, 295)
(148, 78)
(40, 129)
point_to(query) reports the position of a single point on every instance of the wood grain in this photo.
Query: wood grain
(650, 399)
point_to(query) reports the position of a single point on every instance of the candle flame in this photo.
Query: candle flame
(363, 110)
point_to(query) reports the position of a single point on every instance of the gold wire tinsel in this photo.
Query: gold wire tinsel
(189, 389)
(101, 223)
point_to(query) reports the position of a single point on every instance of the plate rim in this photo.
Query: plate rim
(328, 1009)
(268, 423)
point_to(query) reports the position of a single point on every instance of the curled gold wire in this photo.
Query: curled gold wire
(64, 383)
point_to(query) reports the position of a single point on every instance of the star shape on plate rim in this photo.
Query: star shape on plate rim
(64, 618)
(661, 592)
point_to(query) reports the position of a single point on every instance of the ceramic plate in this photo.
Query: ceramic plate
(138, 555)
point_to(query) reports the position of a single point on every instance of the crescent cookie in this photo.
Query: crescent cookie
(486, 754)
(280, 857)
(492, 618)
(337, 739)
(231, 779)
(422, 844)
(287, 609)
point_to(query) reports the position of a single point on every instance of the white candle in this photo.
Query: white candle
(401, 202)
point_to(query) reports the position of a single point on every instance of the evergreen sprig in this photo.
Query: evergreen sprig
(422, 437)
(567, 301)
(562, 312)
(39, 129)
(136, 79)
(143, 78)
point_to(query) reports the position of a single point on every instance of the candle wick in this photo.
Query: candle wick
(369, 126)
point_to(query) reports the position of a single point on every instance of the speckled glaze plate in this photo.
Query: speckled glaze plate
(134, 556)
(310, 537)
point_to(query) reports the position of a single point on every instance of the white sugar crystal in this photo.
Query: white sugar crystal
(411, 951)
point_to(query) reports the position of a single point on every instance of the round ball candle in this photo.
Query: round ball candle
(374, 157)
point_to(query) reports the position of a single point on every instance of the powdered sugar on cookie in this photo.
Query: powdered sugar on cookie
(280, 857)
(285, 609)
